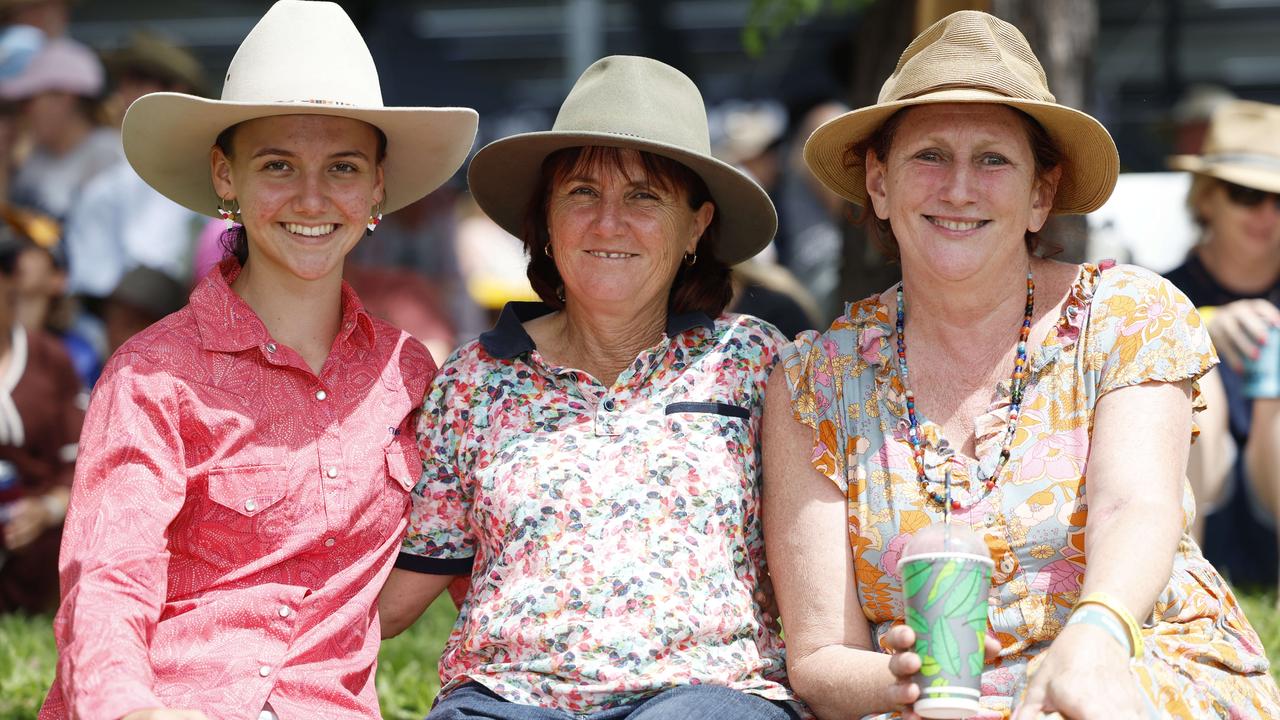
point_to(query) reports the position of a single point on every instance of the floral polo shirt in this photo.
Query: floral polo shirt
(613, 534)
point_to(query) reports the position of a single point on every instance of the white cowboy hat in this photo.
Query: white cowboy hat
(302, 58)
(971, 57)
(631, 102)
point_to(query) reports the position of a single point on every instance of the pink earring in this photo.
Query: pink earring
(374, 219)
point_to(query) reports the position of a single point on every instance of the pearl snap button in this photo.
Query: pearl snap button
(329, 542)
(320, 394)
(264, 671)
(284, 611)
(250, 505)
(271, 347)
(331, 472)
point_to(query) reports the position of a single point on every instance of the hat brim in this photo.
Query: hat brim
(1091, 163)
(167, 137)
(1247, 175)
(504, 176)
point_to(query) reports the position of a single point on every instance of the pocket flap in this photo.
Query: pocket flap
(404, 465)
(248, 490)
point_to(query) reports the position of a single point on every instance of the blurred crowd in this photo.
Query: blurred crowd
(90, 255)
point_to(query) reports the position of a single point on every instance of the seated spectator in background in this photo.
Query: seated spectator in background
(143, 297)
(58, 92)
(41, 409)
(1233, 276)
(42, 299)
(120, 222)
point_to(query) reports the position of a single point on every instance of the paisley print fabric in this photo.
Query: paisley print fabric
(615, 530)
(1118, 328)
(234, 516)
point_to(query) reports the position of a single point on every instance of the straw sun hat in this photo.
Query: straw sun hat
(972, 57)
(1242, 146)
(302, 58)
(635, 103)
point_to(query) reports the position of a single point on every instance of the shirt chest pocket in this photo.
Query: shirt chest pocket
(707, 447)
(247, 490)
(404, 464)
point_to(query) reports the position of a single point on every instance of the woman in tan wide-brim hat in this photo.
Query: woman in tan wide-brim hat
(591, 463)
(1233, 276)
(245, 465)
(991, 388)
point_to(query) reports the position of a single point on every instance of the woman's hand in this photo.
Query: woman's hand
(165, 714)
(28, 517)
(768, 602)
(1084, 675)
(1239, 329)
(904, 664)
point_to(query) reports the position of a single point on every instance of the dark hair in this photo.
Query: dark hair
(1046, 152)
(234, 240)
(704, 286)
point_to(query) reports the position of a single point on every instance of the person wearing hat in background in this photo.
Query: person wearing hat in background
(41, 410)
(1233, 275)
(246, 463)
(59, 93)
(592, 461)
(143, 297)
(119, 220)
(1001, 385)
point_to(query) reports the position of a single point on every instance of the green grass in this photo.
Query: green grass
(407, 680)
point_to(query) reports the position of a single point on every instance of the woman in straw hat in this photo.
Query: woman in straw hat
(592, 462)
(997, 385)
(245, 466)
(1233, 276)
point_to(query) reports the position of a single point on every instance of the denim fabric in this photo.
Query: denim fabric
(688, 702)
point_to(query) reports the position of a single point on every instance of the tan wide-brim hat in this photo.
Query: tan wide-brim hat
(971, 57)
(629, 102)
(302, 58)
(1242, 146)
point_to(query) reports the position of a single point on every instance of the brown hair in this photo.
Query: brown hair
(234, 240)
(704, 286)
(1046, 152)
(1201, 186)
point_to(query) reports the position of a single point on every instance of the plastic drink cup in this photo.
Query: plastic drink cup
(1262, 375)
(946, 577)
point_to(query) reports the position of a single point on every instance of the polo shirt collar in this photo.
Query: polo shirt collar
(508, 338)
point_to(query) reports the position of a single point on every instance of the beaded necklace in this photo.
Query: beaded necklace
(1015, 404)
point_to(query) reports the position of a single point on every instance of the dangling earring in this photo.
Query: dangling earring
(375, 217)
(229, 211)
(560, 294)
(690, 259)
(546, 250)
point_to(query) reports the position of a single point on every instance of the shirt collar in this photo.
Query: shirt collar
(228, 324)
(508, 338)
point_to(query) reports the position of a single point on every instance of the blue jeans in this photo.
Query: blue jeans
(687, 702)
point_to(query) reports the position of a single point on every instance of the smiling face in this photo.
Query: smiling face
(960, 189)
(306, 185)
(1248, 229)
(618, 236)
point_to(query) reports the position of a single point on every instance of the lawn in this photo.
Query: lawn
(407, 678)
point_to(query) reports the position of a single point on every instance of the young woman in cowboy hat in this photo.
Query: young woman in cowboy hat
(1050, 403)
(244, 470)
(591, 463)
(1233, 276)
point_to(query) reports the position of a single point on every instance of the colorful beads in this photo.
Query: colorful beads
(1019, 382)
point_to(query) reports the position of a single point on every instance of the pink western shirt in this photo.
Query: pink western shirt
(234, 516)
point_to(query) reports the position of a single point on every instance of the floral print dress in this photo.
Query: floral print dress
(1118, 328)
(612, 533)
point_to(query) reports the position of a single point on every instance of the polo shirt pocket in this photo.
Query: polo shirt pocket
(714, 408)
(247, 490)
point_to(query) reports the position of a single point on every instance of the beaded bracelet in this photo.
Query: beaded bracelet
(1101, 618)
(1118, 609)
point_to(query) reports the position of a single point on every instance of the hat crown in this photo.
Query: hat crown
(1244, 128)
(968, 49)
(333, 66)
(637, 97)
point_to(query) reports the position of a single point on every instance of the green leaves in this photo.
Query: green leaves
(914, 576)
(945, 648)
(942, 584)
